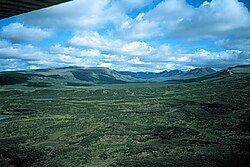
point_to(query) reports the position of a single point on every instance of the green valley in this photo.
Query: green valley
(102, 118)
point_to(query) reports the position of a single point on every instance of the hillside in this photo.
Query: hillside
(235, 71)
(79, 76)
(169, 75)
(68, 76)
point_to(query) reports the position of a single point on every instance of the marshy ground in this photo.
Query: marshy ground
(146, 124)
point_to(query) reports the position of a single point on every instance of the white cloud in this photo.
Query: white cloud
(174, 58)
(104, 35)
(18, 33)
(106, 65)
(182, 59)
(77, 15)
(12, 65)
(235, 43)
(139, 29)
(136, 61)
(74, 52)
(223, 59)
(95, 41)
(18, 51)
(176, 18)
(137, 48)
(58, 55)
(29, 56)
(114, 58)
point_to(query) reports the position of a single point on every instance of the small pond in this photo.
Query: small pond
(2, 117)
(44, 99)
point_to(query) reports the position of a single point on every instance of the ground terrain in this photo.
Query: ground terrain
(203, 122)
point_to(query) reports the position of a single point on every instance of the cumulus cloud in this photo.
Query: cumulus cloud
(171, 18)
(13, 64)
(235, 44)
(223, 59)
(106, 65)
(72, 51)
(137, 61)
(56, 56)
(179, 59)
(137, 48)
(76, 15)
(19, 51)
(18, 33)
(176, 18)
(28, 56)
(103, 34)
(96, 41)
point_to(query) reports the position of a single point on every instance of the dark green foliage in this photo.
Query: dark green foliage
(78, 84)
(142, 162)
(12, 78)
(170, 132)
(42, 70)
(38, 84)
(13, 110)
(217, 109)
(91, 138)
(19, 157)
(13, 155)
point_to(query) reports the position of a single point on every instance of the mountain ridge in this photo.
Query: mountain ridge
(172, 74)
(87, 76)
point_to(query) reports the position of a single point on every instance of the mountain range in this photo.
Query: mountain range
(80, 76)
(169, 75)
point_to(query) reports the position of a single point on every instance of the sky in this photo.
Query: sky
(129, 35)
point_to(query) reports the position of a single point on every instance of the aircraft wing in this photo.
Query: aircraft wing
(10, 8)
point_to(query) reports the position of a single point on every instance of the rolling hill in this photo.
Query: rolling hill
(68, 76)
(80, 76)
(169, 75)
(231, 71)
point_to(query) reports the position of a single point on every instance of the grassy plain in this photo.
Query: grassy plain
(144, 124)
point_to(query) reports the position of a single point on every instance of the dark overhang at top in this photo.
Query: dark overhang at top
(10, 8)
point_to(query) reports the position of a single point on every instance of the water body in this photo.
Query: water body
(2, 117)
(125, 110)
(43, 99)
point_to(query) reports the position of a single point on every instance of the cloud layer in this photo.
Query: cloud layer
(176, 18)
(168, 35)
(18, 33)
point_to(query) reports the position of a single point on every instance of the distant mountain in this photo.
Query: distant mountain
(138, 75)
(79, 76)
(69, 76)
(171, 73)
(99, 76)
(168, 75)
(198, 72)
(226, 73)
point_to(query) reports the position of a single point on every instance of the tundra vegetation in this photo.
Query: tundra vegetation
(48, 118)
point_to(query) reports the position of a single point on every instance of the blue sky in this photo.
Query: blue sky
(135, 35)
